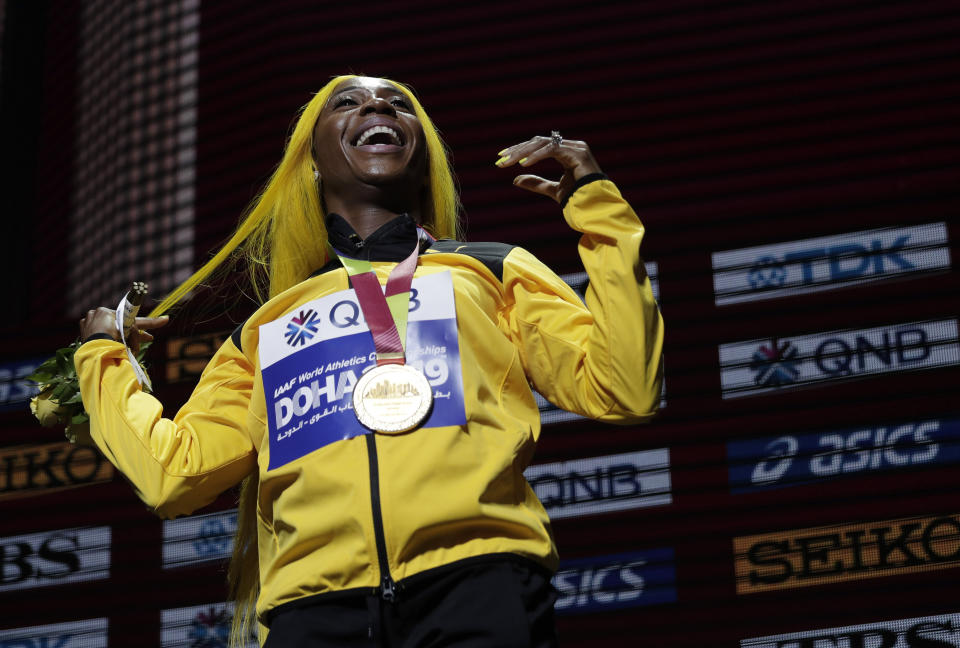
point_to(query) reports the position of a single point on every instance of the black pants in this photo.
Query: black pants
(489, 605)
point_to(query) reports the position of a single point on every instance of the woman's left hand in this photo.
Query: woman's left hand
(573, 155)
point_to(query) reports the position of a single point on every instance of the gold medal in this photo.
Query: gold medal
(392, 398)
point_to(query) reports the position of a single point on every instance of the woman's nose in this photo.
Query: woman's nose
(378, 105)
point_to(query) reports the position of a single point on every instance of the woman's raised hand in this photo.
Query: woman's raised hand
(103, 320)
(573, 155)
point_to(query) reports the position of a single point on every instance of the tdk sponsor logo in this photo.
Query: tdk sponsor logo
(791, 459)
(199, 626)
(828, 262)
(758, 366)
(54, 558)
(90, 633)
(579, 281)
(940, 631)
(198, 538)
(603, 484)
(616, 581)
(833, 554)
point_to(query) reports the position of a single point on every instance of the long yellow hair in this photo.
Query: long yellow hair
(282, 238)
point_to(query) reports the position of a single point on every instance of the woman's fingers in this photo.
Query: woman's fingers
(573, 155)
(99, 320)
(538, 185)
(152, 322)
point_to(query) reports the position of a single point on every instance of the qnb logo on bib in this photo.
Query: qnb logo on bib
(302, 327)
(312, 358)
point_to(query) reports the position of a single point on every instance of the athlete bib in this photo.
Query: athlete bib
(312, 358)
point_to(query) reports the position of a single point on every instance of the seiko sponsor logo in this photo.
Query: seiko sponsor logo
(54, 558)
(199, 626)
(15, 389)
(188, 356)
(579, 281)
(32, 470)
(940, 631)
(790, 459)
(616, 581)
(198, 539)
(828, 262)
(90, 633)
(758, 366)
(841, 553)
(603, 484)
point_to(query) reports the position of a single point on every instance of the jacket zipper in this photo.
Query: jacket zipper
(388, 588)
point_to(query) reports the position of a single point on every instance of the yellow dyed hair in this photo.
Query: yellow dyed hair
(282, 238)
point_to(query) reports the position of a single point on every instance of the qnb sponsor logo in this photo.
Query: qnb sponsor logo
(89, 633)
(198, 538)
(616, 581)
(54, 558)
(199, 626)
(763, 366)
(789, 459)
(579, 281)
(302, 327)
(33, 470)
(940, 631)
(828, 262)
(603, 484)
(818, 556)
(15, 389)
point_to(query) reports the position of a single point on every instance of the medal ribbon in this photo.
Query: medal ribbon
(385, 311)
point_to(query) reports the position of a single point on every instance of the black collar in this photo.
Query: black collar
(392, 241)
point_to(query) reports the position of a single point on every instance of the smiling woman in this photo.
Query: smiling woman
(378, 404)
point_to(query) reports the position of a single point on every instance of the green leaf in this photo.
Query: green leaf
(74, 399)
(41, 377)
(63, 362)
(82, 417)
(59, 391)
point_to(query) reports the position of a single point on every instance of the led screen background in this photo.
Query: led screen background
(729, 126)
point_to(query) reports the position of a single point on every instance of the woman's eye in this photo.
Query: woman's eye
(402, 103)
(345, 101)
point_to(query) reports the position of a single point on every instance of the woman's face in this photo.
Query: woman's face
(368, 133)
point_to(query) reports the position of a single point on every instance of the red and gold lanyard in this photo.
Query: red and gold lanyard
(385, 311)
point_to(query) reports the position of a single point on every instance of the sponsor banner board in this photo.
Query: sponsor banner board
(776, 364)
(40, 469)
(198, 539)
(15, 389)
(199, 625)
(616, 581)
(828, 262)
(89, 633)
(54, 558)
(187, 357)
(791, 459)
(603, 484)
(845, 552)
(942, 631)
(550, 413)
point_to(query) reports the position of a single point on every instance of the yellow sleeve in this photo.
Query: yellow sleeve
(176, 465)
(602, 360)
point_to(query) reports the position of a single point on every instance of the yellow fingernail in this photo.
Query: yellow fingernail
(503, 152)
(502, 160)
(522, 160)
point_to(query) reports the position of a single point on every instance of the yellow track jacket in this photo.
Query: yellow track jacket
(373, 510)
